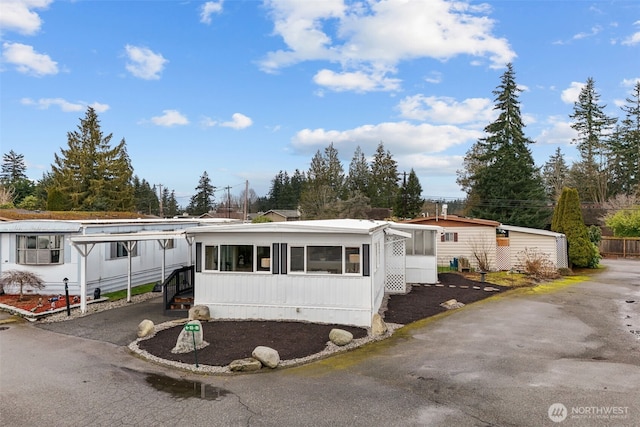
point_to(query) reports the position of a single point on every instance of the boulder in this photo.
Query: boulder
(378, 327)
(245, 365)
(146, 328)
(185, 342)
(340, 337)
(452, 304)
(199, 312)
(267, 356)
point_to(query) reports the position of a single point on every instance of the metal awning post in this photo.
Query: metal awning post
(130, 245)
(84, 249)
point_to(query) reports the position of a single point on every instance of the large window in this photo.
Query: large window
(41, 249)
(422, 242)
(236, 258)
(302, 259)
(325, 260)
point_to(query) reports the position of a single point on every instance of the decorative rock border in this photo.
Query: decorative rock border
(330, 350)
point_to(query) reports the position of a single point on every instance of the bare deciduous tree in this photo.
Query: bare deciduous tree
(21, 279)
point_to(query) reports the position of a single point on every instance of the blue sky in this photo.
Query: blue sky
(244, 89)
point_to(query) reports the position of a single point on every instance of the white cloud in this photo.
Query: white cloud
(434, 77)
(447, 110)
(594, 31)
(632, 40)
(630, 82)
(398, 137)
(358, 81)
(144, 63)
(238, 121)
(19, 15)
(368, 39)
(170, 118)
(63, 104)
(572, 93)
(208, 9)
(558, 131)
(27, 60)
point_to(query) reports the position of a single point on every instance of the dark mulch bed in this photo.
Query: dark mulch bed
(424, 301)
(231, 340)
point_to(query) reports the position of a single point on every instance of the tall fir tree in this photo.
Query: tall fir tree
(324, 185)
(89, 173)
(383, 186)
(591, 174)
(625, 149)
(14, 178)
(357, 181)
(409, 201)
(555, 175)
(202, 201)
(505, 184)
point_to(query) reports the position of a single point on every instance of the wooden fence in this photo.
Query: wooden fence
(626, 247)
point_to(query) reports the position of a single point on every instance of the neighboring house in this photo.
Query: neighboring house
(279, 215)
(328, 271)
(500, 246)
(463, 237)
(514, 241)
(88, 254)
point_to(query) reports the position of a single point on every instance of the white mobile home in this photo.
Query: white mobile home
(47, 248)
(327, 271)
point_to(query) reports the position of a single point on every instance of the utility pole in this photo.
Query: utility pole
(228, 188)
(245, 212)
(160, 200)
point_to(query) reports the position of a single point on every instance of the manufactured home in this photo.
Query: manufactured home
(327, 271)
(514, 241)
(91, 254)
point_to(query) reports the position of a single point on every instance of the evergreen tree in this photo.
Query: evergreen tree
(355, 207)
(409, 202)
(324, 186)
(202, 201)
(145, 198)
(625, 149)
(383, 187)
(593, 126)
(89, 173)
(13, 167)
(505, 184)
(567, 219)
(359, 174)
(14, 178)
(555, 174)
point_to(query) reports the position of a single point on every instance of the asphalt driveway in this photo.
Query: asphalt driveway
(567, 357)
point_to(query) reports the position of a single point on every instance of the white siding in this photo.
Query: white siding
(519, 242)
(313, 298)
(323, 298)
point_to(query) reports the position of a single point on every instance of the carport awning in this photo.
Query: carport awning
(85, 243)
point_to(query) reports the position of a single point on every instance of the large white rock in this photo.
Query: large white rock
(340, 336)
(146, 328)
(185, 342)
(378, 327)
(199, 312)
(245, 365)
(267, 356)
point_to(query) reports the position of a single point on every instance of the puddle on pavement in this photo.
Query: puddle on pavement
(183, 389)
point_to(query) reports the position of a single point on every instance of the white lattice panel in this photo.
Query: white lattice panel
(503, 258)
(395, 281)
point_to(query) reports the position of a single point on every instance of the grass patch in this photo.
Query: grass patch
(136, 290)
(503, 278)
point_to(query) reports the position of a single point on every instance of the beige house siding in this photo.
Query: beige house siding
(520, 242)
(480, 239)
